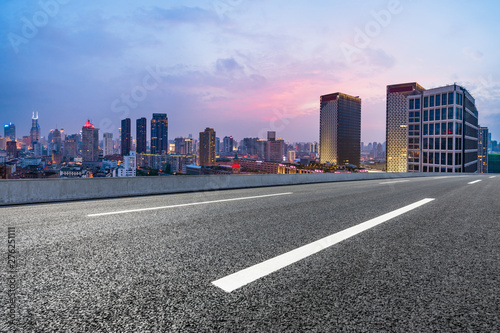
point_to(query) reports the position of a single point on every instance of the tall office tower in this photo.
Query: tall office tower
(11, 148)
(70, 148)
(126, 137)
(340, 129)
(57, 140)
(9, 131)
(274, 150)
(90, 143)
(107, 143)
(432, 130)
(207, 147)
(227, 144)
(35, 129)
(141, 135)
(217, 145)
(251, 146)
(159, 133)
(183, 146)
(482, 152)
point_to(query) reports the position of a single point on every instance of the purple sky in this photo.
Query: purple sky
(242, 67)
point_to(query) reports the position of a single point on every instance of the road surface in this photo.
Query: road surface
(403, 255)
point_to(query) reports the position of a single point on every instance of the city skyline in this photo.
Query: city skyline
(258, 71)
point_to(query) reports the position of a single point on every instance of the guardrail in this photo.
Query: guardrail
(56, 190)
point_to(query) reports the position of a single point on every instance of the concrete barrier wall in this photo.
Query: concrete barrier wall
(53, 190)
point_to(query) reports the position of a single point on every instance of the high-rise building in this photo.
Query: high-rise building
(9, 131)
(340, 129)
(482, 152)
(207, 147)
(217, 145)
(11, 147)
(432, 130)
(183, 146)
(35, 129)
(70, 148)
(126, 137)
(141, 135)
(227, 144)
(90, 143)
(274, 148)
(107, 143)
(159, 133)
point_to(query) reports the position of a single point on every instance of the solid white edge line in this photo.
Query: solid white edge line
(475, 181)
(255, 272)
(188, 204)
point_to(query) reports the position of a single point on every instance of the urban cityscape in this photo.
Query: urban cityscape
(433, 130)
(250, 166)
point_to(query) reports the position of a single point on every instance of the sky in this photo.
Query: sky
(241, 67)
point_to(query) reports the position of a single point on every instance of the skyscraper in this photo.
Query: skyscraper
(207, 147)
(432, 130)
(159, 133)
(183, 146)
(35, 129)
(482, 157)
(227, 144)
(9, 131)
(141, 135)
(340, 129)
(90, 143)
(107, 144)
(126, 137)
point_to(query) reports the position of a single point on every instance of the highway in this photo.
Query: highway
(402, 255)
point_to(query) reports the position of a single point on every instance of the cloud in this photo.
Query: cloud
(229, 67)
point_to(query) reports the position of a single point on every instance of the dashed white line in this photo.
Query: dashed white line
(475, 181)
(395, 181)
(189, 204)
(250, 274)
(492, 176)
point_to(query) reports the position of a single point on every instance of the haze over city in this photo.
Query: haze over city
(241, 67)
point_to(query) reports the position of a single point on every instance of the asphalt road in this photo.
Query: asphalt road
(433, 268)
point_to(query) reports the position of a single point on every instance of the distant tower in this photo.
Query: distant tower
(227, 144)
(141, 135)
(159, 133)
(207, 147)
(107, 144)
(9, 131)
(126, 137)
(90, 143)
(35, 129)
(340, 129)
(482, 157)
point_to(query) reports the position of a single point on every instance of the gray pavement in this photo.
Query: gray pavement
(435, 268)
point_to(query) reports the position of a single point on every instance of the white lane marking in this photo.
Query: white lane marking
(443, 177)
(476, 181)
(189, 204)
(252, 273)
(492, 176)
(395, 181)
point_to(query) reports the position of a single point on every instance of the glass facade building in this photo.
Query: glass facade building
(141, 135)
(433, 130)
(159, 133)
(340, 129)
(482, 157)
(126, 137)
